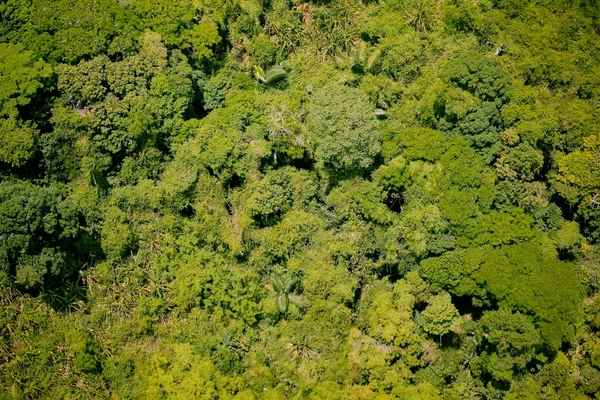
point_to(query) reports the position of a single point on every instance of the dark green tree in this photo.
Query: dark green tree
(511, 342)
(43, 238)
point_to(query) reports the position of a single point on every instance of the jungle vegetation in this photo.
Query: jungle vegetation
(309, 199)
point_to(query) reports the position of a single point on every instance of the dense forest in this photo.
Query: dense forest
(309, 199)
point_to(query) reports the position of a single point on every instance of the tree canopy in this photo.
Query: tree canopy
(341, 199)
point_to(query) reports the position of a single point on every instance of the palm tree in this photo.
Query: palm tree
(420, 14)
(283, 293)
(362, 59)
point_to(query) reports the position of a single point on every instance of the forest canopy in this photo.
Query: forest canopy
(273, 199)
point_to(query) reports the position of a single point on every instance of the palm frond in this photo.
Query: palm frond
(283, 301)
(362, 52)
(278, 286)
(342, 61)
(372, 59)
(297, 301)
(289, 285)
(259, 73)
(274, 74)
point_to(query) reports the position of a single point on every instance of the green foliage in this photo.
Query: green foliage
(278, 192)
(407, 207)
(362, 59)
(117, 236)
(394, 176)
(21, 76)
(418, 143)
(17, 140)
(203, 279)
(42, 239)
(274, 74)
(283, 290)
(422, 228)
(498, 228)
(344, 126)
(387, 313)
(460, 16)
(214, 92)
(577, 182)
(524, 278)
(471, 107)
(403, 56)
(420, 14)
(521, 277)
(287, 133)
(178, 372)
(357, 199)
(511, 343)
(453, 271)
(68, 31)
(289, 237)
(480, 77)
(202, 37)
(263, 52)
(521, 162)
(440, 316)
(112, 109)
